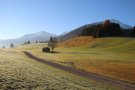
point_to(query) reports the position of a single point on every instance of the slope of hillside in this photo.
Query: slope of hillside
(77, 41)
(117, 45)
(112, 44)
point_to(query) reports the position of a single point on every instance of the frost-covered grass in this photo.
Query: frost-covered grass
(17, 71)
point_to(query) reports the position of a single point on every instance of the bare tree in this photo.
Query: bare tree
(52, 43)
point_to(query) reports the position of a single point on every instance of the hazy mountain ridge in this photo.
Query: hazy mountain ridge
(39, 36)
(122, 25)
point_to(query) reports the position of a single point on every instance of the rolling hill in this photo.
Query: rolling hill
(77, 41)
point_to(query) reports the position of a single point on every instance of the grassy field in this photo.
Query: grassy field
(17, 71)
(112, 57)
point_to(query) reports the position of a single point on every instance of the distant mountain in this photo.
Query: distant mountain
(39, 36)
(71, 34)
(122, 25)
(63, 33)
(100, 29)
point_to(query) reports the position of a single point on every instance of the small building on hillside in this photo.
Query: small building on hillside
(46, 49)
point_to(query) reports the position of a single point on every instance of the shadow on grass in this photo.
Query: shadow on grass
(82, 53)
(55, 52)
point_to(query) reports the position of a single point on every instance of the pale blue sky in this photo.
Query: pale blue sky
(19, 17)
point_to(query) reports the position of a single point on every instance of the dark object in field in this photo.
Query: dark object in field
(46, 49)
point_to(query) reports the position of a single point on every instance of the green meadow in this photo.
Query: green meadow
(112, 57)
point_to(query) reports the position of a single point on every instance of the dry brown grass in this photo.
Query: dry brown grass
(106, 65)
(122, 71)
(78, 41)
